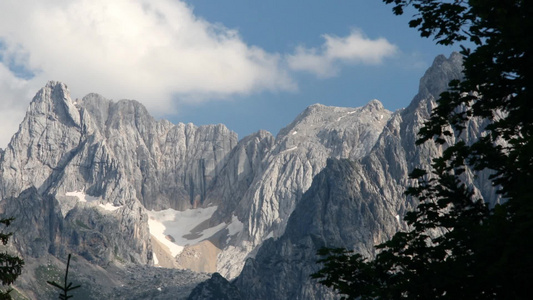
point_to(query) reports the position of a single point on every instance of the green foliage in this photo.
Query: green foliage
(348, 272)
(67, 286)
(458, 247)
(10, 266)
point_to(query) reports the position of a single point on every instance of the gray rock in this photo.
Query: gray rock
(216, 288)
(354, 205)
(281, 171)
(112, 153)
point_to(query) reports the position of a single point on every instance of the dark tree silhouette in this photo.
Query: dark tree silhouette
(458, 247)
(10, 266)
(67, 286)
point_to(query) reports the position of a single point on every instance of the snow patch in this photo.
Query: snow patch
(294, 132)
(82, 197)
(156, 261)
(235, 226)
(398, 218)
(174, 229)
(109, 206)
(290, 149)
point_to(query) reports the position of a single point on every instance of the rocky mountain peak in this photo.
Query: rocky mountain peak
(54, 100)
(374, 106)
(318, 117)
(437, 77)
(354, 204)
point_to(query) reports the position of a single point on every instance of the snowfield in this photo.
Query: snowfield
(176, 229)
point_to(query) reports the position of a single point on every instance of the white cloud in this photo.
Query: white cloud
(14, 93)
(353, 49)
(151, 50)
(154, 51)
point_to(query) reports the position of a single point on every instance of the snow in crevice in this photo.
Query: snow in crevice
(235, 226)
(347, 114)
(176, 229)
(109, 206)
(82, 197)
(91, 200)
(289, 150)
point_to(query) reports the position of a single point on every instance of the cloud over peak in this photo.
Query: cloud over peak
(336, 51)
(155, 51)
(151, 50)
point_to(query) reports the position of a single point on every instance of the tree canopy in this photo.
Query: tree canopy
(457, 246)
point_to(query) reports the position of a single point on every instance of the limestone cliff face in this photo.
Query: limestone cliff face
(356, 204)
(300, 152)
(112, 150)
(100, 164)
(84, 172)
(47, 138)
(337, 210)
(265, 178)
(97, 235)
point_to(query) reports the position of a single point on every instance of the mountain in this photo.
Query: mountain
(354, 204)
(135, 199)
(265, 177)
(85, 173)
(107, 182)
(112, 150)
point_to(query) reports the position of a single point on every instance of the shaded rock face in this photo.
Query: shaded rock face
(91, 233)
(337, 210)
(217, 288)
(355, 205)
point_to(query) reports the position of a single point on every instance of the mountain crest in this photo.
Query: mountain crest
(437, 77)
(54, 101)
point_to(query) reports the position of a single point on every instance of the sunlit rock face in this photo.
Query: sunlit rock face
(80, 176)
(265, 178)
(98, 159)
(113, 150)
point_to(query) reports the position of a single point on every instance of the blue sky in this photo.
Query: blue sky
(247, 64)
(282, 25)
